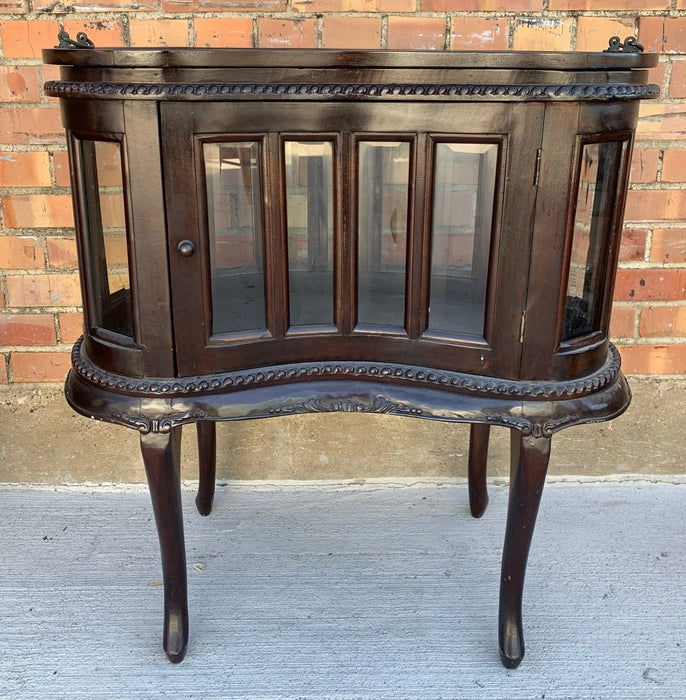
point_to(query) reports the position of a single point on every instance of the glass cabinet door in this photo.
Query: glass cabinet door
(383, 193)
(345, 231)
(106, 242)
(308, 168)
(592, 231)
(463, 188)
(235, 229)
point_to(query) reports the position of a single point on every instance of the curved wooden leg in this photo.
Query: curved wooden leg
(529, 464)
(161, 454)
(478, 456)
(207, 455)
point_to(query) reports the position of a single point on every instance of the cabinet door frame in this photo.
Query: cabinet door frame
(516, 127)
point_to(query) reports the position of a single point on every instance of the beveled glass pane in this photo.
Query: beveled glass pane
(309, 219)
(464, 178)
(234, 208)
(107, 239)
(592, 229)
(383, 177)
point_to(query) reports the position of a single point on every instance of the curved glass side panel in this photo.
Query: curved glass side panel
(308, 168)
(464, 181)
(593, 220)
(383, 197)
(234, 216)
(106, 241)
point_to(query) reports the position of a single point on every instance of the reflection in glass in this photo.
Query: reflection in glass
(309, 218)
(591, 237)
(464, 177)
(234, 207)
(384, 174)
(106, 238)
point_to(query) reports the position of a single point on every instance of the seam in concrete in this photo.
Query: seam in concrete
(358, 484)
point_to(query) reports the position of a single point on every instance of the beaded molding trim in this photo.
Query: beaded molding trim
(410, 374)
(607, 91)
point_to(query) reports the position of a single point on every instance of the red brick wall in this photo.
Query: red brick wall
(39, 289)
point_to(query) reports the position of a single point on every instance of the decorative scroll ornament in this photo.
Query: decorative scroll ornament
(377, 404)
(144, 424)
(66, 42)
(630, 45)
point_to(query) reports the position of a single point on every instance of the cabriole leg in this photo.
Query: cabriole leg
(478, 456)
(529, 463)
(161, 454)
(207, 455)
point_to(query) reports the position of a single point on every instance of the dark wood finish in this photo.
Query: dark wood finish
(529, 457)
(207, 458)
(479, 434)
(163, 105)
(161, 455)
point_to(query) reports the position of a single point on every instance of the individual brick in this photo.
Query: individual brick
(287, 33)
(19, 84)
(62, 253)
(40, 366)
(663, 34)
(158, 32)
(644, 165)
(351, 32)
(663, 322)
(61, 164)
(661, 121)
(593, 33)
(223, 5)
(655, 205)
(668, 246)
(3, 370)
(633, 245)
(215, 32)
(479, 33)
(354, 5)
(31, 125)
(38, 210)
(71, 326)
(25, 39)
(13, 7)
(605, 5)
(663, 284)
(622, 321)
(95, 6)
(677, 81)
(653, 359)
(416, 33)
(27, 329)
(24, 169)
(479, 5)
(543, 34)
(674, 165)
(21, 253)
(60, 289)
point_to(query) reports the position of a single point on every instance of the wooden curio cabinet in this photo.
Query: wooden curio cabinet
(275, 232)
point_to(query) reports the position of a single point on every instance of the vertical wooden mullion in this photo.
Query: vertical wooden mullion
(423, 265)
(346, 244)
(275, 243)
(413, 281)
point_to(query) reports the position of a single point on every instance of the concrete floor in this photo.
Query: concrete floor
(379, 591)
(43, 441)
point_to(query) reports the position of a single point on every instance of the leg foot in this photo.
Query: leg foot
(478, 456)
(161, 454)
(207, 455)
(529, 464)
